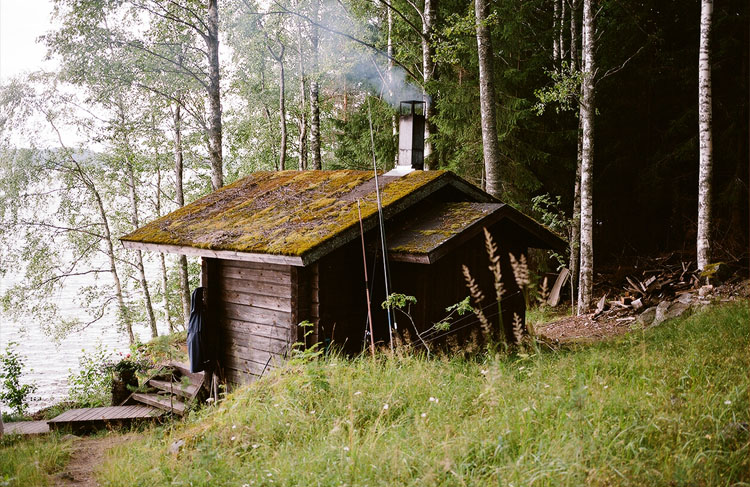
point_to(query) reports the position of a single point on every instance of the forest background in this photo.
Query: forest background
(156, 103)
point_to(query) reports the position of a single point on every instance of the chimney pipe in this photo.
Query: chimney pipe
(411, 135)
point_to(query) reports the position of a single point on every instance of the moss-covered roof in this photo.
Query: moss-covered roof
(428, 231)
(289, 213)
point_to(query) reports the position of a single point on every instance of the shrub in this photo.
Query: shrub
(13, 393)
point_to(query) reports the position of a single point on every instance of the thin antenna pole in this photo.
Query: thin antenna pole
(382, 230)
(367, 284)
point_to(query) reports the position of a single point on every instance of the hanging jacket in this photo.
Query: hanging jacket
(197, 343)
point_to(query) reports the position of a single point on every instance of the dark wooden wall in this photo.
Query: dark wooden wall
(254, 309)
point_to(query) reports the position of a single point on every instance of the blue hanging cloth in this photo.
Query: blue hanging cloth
(196, 340)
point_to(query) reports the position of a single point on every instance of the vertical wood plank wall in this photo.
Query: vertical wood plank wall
(254, 309)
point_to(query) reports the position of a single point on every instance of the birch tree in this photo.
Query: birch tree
(585, 284)
(704, 137)
(490, 146)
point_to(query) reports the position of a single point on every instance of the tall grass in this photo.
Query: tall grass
(28, 461)
(662, 407)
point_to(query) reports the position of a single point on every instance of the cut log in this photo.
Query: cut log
(554, 295)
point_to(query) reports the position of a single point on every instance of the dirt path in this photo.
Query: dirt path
(87, 455)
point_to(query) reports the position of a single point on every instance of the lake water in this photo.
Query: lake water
(48, 363)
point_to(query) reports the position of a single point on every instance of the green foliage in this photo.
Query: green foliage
(461, 308)
(398, 301)
(91, 385)
(554, 217)
(651, 408)
(14, 394)
(565, 90)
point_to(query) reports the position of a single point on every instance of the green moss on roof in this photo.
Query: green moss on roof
(436, 226)
(286, 213)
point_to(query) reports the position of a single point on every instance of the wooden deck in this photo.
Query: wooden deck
(92, 418)
(26, 428)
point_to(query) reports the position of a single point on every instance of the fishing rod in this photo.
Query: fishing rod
(386, 271)
(367, 285)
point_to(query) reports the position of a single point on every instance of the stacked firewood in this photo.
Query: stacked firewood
(661, 292)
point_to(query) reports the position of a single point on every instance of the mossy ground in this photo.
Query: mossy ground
(659, 407)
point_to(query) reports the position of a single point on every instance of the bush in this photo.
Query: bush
(14, 394)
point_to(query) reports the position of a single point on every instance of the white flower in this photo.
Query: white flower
(483, 371)
(546, 386)
(346, 448)
(210, 400)
(358, 393)
(232, 438)
(606, 387)
(312, 412)
(649, 394)
(269, 474)
(525, 409)
(385, 406)
(234, 426)
(434, 399)
(255, 445)
(727, 402)
(424, 415)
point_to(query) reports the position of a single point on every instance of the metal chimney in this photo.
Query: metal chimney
(411, 134)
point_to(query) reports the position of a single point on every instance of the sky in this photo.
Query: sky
(21, 23)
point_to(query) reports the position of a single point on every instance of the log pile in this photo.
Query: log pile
(661, 292)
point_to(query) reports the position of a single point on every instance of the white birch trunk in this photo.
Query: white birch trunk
(428, 72)
(585, 283)
(556, 34)
(214, 97)
(490, 145)
(182, 265)
(314, 93)
(704, 137)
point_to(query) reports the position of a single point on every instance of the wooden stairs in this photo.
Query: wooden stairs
(172, 389)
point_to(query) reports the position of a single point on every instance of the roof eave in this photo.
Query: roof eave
(216, 254)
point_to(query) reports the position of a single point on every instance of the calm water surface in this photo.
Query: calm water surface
(48, 363)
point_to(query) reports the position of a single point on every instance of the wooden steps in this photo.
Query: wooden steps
(88, 419)
(27, 428)
(166, 402)
(188, 390)
(172, 389)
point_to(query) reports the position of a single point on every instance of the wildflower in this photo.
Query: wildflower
(546, 386)
(269, 474)
(358, 393)
(649, 394)
(255, 445)
(232, 438)
(483, 371)
(606, 387)
(424, 415)
(312, 412)
(385, 406)
(434, 399)
(210, 400)
(234, 426)
(727, 402)
(346, 448)
(525, 409)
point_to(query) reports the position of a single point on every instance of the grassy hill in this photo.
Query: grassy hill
(667, 406)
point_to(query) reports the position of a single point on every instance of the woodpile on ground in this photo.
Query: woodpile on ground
(649, 293)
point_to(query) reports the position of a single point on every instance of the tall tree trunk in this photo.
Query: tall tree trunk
(182, 264)
(303, 106)
(585, 285)
(704, 137)
(282, 117)
(314, 93)
(428, 74)
(563, 12)
(573, 35)
(490, 145)
(556, 34)
(214, 96)
(162, 260)
(389, 47)
(575, 231)
(138, 254)
(122, 309)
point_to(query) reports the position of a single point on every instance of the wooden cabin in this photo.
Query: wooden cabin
(282, 248)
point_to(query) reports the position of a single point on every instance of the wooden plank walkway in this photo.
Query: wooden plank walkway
(26, 428)
(96, 417)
